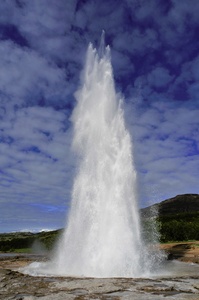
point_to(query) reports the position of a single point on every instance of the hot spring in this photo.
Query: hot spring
(103, 232)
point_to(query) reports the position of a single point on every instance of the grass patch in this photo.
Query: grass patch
(23, 250)
(25, 242)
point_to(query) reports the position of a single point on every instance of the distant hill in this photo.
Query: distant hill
(177, 218)
(186, 203)
(28, 241)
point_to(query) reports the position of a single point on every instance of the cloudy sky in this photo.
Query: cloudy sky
(155, 57)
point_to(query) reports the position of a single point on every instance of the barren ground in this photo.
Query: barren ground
(183, 285)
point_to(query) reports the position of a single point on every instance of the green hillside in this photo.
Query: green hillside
(177, 218)
(39, 243)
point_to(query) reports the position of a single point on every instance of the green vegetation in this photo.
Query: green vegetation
(28, 242)
(23, 250)
(177, 219)
(179, 227)
(172, 227)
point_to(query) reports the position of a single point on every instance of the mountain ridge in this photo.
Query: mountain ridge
(184, 203)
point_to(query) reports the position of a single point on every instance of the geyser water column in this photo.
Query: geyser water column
(102, 236)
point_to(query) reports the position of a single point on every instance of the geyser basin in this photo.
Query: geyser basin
(103, 235)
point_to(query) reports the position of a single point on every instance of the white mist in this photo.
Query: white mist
(102, 236)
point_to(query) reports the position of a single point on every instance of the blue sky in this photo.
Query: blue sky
(155, 57)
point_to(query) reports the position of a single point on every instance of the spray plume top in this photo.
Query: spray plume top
(102, 47)
(103, 51)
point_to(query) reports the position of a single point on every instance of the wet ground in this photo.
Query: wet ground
(177, 281)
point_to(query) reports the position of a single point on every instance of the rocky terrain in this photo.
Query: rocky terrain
(182, 284)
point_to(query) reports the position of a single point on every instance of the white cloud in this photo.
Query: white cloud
(159, 77)
(43, 23)
(144, 10)
(136, 40)
(35, 167)
(181, 10)
(26, 76)
(165, 144)
(121, 63)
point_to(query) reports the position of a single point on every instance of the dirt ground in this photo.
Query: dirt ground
(183, 251)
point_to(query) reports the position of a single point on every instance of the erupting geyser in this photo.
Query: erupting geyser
(102, 237)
